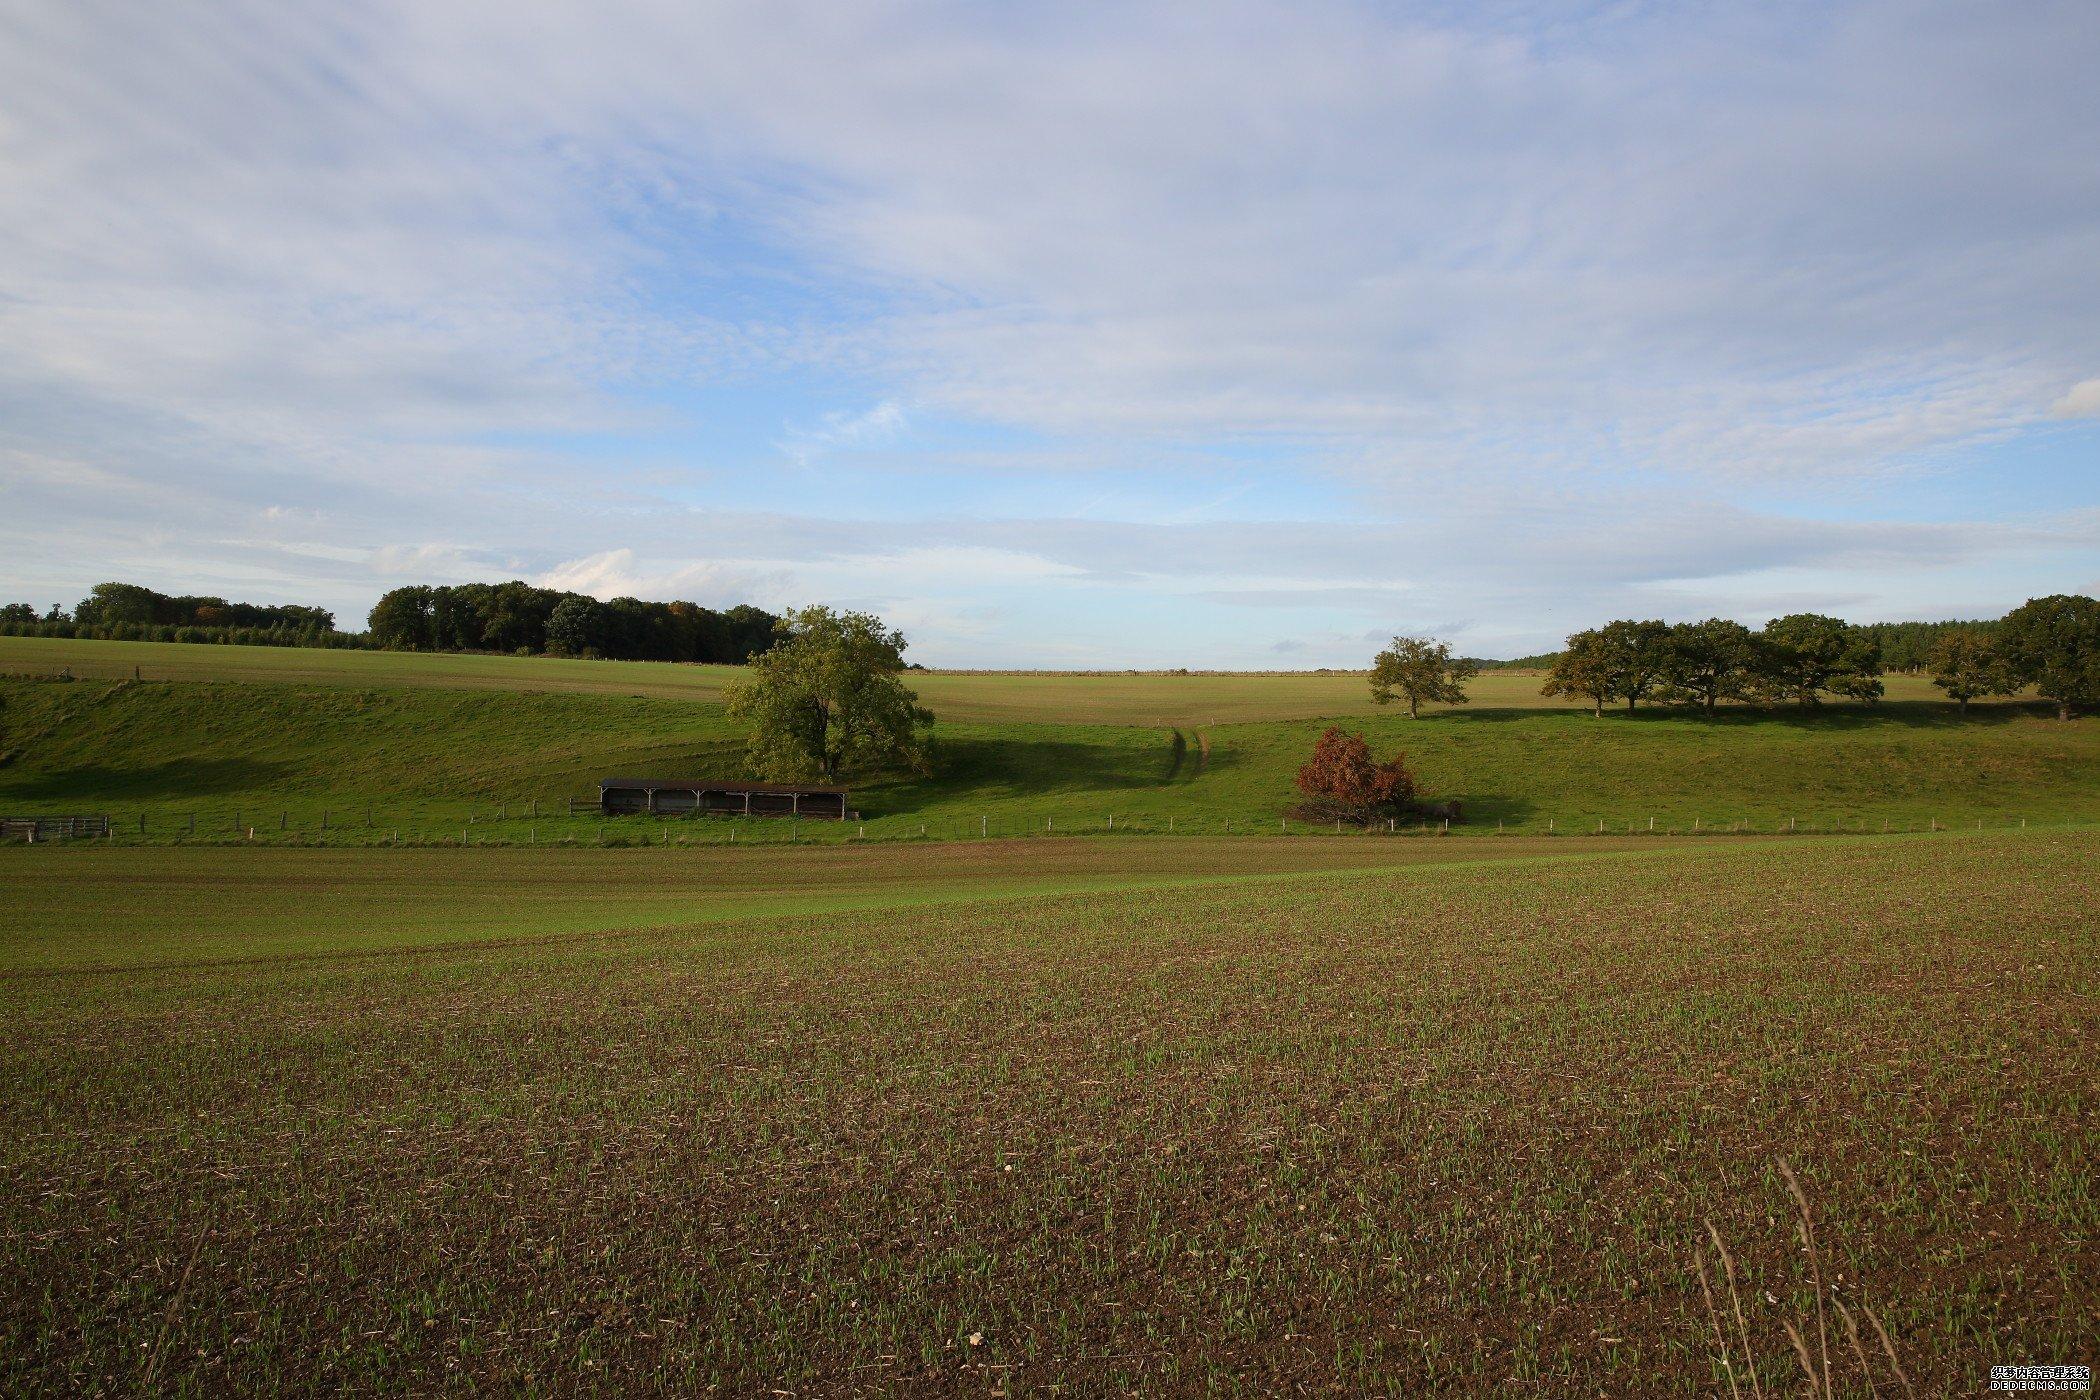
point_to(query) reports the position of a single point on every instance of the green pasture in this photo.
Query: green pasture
(217, 760)
(451, 1121)
(1145, 699)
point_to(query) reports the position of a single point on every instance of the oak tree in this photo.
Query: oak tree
(1708, 662)
(1585, 667)
(826, 698)
(2053, 644)
(1966, 664)
(1805, 656)
(1420, 670)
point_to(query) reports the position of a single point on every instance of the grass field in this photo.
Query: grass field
(316, 1121)
(198, 760)
(1149, 699)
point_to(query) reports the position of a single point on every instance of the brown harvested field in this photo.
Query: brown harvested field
(1443, 1130)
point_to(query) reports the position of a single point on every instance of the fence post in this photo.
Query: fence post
(142, 823)
(984, 826)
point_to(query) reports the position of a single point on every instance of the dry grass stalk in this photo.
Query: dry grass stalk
(1858, 1351)
(1888, 1348)
(1713, 1314)
(1815, 1263)
(1742, 1325)
(1815, 1360)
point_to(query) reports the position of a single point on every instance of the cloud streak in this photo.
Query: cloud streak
(1376, 310)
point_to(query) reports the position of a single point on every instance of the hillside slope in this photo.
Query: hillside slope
(240, 755)
(1058, 697)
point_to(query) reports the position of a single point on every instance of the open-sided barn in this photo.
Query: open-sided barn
(683, 797)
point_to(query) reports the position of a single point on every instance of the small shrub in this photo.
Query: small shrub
(1343, 782)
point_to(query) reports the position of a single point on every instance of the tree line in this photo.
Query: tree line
(2051, 645)
(130, 612)
(519, 618)
(1905, 646)
(514, 618)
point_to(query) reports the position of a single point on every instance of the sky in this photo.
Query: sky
(1233, 335)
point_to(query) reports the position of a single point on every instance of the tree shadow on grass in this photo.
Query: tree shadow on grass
(1006, 769)
(1487, 808)
(214, 777)
(1838, 716)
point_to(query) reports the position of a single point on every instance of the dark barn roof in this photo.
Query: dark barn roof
(721, 785)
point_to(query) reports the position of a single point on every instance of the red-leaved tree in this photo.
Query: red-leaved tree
(1343, 781)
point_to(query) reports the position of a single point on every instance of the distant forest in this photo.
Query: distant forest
(513, 618)
(1904, 646)
(518, 619)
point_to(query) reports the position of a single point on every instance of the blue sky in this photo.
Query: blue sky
(1236, 335)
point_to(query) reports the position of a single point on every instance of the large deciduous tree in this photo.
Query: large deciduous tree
(575, 626)
(1967, 665)
(1805, 656)
(1622, 660)
(110, 604)
(1640, 652)
(826, 699)
(1585, 667)
(1708, 662)
(1420, 670)
(2053, 644)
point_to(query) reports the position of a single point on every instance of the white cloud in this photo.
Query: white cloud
(616, 573)
(881, 424)
(1531, 292)
(2082, 400)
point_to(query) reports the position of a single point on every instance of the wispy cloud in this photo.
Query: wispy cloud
(1535, 305)
(835, 431)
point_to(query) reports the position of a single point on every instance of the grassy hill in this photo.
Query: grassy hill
(243, 737)
(1059, 697)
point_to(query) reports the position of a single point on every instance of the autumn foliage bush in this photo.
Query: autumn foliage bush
(1343, 782)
